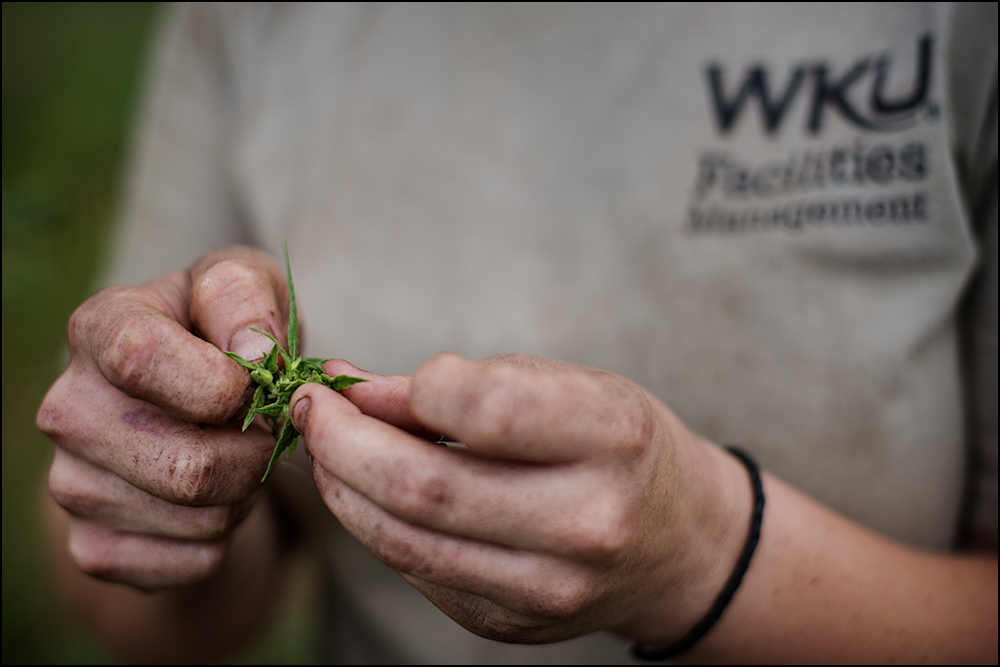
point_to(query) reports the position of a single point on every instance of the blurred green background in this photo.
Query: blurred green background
(72, 76)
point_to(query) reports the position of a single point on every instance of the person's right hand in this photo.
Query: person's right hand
(150, 465)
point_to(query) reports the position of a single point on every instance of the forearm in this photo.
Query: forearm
(191, 624)
(821, 588)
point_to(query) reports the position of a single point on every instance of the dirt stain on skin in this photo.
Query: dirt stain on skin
(149, 421)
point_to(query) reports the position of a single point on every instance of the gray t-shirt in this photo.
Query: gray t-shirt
(771, 217)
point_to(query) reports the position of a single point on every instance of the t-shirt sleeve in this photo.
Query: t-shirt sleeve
(178, 201)
(973, 94)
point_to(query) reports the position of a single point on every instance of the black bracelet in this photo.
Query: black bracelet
(713, 615)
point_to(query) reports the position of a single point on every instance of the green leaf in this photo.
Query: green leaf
(288, 437)
(314, 363)
(341, 381)
(244, 363)
(293, 311)
(271, 360)
(273, 409)
(255, 406)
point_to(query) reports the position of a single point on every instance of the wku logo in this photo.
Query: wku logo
(838, 91)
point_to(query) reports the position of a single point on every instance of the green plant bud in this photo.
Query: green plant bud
(275, 385)
(262, 376)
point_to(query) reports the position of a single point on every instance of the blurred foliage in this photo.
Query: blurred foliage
(71, 78)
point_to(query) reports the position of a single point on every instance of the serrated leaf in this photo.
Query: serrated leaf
(341, 381)
(255, 406)
(271, 410)
(243, 362)
(271, 360)
(286, 440)
(293, 311)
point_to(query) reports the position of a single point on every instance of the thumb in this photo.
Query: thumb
(234, 291)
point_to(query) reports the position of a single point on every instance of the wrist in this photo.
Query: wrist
(710, 532)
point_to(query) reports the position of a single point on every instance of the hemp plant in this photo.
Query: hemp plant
(276, 383)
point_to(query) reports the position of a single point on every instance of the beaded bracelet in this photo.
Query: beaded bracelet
(713, 615)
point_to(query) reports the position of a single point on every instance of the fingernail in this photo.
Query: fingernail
(249, 344)
(300, 414)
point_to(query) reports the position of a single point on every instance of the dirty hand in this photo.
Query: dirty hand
(580, 502)
(153, 473)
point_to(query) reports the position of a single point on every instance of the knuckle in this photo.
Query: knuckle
(75, 330)
(492, 407)
(129, 357)
(90, 318)
(68, 496)
(81, 321)
(47, 419)
(398, 554)
(419, 491)
(52, 418)
(604, 531)
(562, 597)
(633, 420)
(97, 557)
(192, 475)
(219, 521)
(321, 431)
(93, 560)
(207, 562)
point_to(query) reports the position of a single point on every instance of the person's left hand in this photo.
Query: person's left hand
(580, 503)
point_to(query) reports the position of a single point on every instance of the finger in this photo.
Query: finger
(530, 411)
(532, 584)
(141, 560)
(150, 447)
(92, 493)
(551, 508)
(234, 290)
(488, 619)
(136, 338)
(384, 397)
(139, 338)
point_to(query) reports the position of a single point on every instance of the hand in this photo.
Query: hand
(580, 503)
(151, 470)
